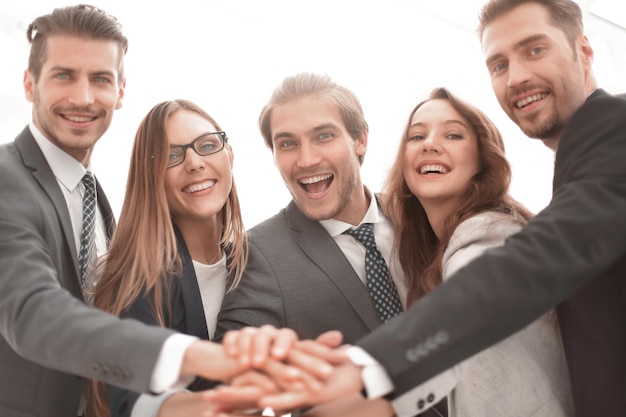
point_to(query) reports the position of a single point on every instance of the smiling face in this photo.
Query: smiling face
(197, 189)
(538, 77)
(76, 93)
(318, 159)
(440, 156)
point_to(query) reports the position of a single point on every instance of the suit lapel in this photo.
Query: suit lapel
(315, 241)
(194, 309)
(107, 212)
(34, 159)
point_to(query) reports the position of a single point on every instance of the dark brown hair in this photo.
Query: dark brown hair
(419, 250)
(564, 14)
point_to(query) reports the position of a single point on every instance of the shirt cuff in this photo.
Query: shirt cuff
(375, 379)
(149, 405)
(166, 373)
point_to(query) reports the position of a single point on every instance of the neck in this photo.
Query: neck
(202, 239)
(437, 212)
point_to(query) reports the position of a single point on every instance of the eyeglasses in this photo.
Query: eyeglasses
(206, 144)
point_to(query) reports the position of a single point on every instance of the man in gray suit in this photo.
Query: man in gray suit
(304, 272)
(48, 335)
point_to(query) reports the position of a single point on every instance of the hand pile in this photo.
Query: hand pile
(276, 370)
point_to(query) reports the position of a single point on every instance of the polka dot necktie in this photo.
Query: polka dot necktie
(381, 287)
(87, 249)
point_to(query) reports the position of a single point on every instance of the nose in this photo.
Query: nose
(193, 162)
(431, 144)
(81, 93)
(308, 155)
(518, 74)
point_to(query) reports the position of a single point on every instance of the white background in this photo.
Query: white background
(229, 55)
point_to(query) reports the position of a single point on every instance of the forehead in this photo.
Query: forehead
(184, 126)
(82, 55)
(305, 113)
(524, 21)
(437, 111)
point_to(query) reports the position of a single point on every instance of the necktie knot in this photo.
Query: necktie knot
(364, 234)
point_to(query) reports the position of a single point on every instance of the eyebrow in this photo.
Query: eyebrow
(73, 71)
(322, 127)
(447, 122)
(517, 46)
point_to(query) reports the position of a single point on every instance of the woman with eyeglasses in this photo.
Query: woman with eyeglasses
(180, 239)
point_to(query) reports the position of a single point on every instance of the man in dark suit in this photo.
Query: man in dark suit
(49, 336)
(571, 256)
(303, 271)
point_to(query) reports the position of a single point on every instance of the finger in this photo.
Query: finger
(310, 364)
(330, 355)
(244, 345)
(289, 378)
(332, 339)
(286, 401)
(260, 345)
(229, 398)
(230, 343)
(285, 340)
(262, 381)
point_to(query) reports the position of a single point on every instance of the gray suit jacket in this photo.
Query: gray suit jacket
(48, 335)
(297, 277)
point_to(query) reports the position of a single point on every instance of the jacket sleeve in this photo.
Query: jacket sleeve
(39, 318)
(577, 237)
(256, 301)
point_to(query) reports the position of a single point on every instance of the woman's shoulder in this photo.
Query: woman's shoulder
(487, 223)
(476, 234)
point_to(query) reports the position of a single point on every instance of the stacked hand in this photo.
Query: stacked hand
(276, 370)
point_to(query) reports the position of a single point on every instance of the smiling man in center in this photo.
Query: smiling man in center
(303, 271)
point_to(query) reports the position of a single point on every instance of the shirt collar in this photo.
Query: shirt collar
(337, 227)
(66, 169)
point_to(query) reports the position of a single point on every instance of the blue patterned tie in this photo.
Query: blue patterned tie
(381, 287)
(87, 249)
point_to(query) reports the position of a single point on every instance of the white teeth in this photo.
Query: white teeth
(433, 168)
(317, 178)
(79, 119)
(530, 99)
(199, 187)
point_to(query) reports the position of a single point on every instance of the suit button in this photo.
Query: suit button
(106, 371)
(95, 368)
(430, 398)
(420, 404)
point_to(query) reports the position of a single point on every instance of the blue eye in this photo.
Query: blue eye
(498, 68)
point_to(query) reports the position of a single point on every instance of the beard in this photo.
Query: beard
(550, 127)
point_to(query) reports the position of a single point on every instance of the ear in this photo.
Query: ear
(29, 86)
(120, 94)
(360, 144)
(586, 52)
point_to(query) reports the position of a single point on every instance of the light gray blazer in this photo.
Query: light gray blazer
(525, 374)
(298, 277)
(47, 334)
